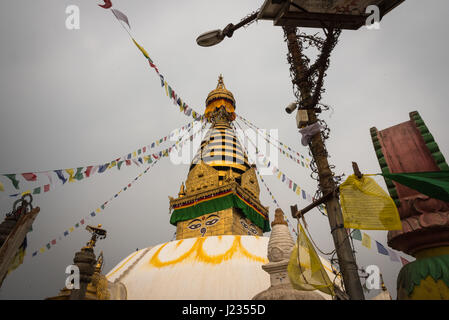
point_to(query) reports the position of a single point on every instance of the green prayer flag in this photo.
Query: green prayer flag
(13, 179)
(434, 184)
(356, 234)
(79, 173)
(37, 190)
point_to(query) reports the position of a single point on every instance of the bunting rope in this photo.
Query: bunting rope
(188, 111)
(165, 153)
(265, 184)
(79, 173)
(252, 125)
(366, 241)
(280, 175)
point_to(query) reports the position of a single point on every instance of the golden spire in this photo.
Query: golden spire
(182, 191)
(221, 96)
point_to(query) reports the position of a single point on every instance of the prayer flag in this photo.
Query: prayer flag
(70, 172)
(2, 188)
(305, 270)
(378, 211)
(404, 261)
(144, 52)
(13, 179)
(79, 174)
(29, 176)
(37, 190)
(103, 168)
(381, 249)
(356, 235)
(366, 240)
(88, 170)
(46, 188)
(61, 176)
(121, 16)
(393, 255)
(303, 194)
(107, 4)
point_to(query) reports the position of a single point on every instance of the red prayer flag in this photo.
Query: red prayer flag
(53, 242)
(128, 162)
(88, 170)
(29, 176)
(46, 188)
(107, 4)
(404, 261)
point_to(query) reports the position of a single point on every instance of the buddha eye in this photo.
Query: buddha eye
(211, 222)
(195, 226)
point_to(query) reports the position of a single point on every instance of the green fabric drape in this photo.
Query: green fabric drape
(434, 184)
(218, 204)
(412, 273)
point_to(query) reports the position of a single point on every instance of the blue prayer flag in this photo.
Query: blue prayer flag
(381, 249)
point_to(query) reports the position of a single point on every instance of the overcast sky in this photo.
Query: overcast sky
(72, 98)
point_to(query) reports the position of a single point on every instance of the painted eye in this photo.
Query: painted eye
(211, 222)
(253, 230)
(195, 226)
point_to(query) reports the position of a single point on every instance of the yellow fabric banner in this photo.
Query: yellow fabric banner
(365, 205)
(2, 188)
(305, 270)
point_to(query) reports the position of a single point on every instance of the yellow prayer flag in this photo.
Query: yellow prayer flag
(71, 229)
(305, 270)
(144, 52)
(279, 175)
(298, 191)
(98, 210)
(113, 164)
(26, 192)
(134, 154)
(366, 240)
(71, 172)
(41, 250)
(166, 87)
(365, 205)
(2, 188)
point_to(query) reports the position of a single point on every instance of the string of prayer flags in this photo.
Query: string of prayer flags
(366, 240)
(103, 206)
(78, 174)
(305, 270)
(120, 16)
(365, 205)
(249, 123)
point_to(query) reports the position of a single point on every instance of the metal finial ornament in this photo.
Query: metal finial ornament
(97, 234)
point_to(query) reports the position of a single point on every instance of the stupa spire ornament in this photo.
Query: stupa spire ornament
(220, 103)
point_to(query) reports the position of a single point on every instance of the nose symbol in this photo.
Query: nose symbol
(203, 231)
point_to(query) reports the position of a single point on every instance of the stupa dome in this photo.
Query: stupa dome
(227, 267)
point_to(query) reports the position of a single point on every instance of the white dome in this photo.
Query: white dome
(206, 268)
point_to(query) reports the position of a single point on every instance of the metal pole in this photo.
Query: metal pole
(346, 259)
